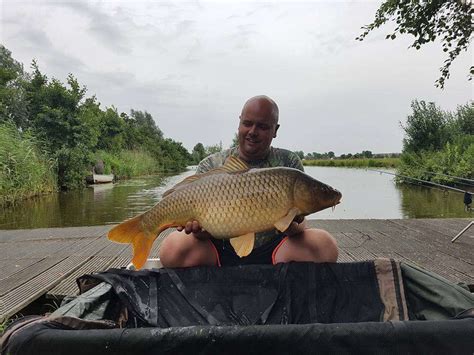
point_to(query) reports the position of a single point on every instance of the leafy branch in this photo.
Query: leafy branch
(448, 20)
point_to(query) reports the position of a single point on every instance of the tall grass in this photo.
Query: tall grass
(25, 171)
(440, 166)
(128, 163)
(355, 163)
(3, 325)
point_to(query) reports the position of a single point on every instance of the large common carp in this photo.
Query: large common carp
(232, 201)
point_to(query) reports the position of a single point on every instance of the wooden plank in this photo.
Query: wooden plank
(120, 262)
(27, 264)
(68, 286)
(28, 292)
(52, 233)
(424, 255)
(35, 261)
(463, 251)
(23, 276)
(344, 257)
(12, 266)
(99, 262)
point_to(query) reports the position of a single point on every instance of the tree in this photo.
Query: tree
(142, 133)
(426, 128)
(112, 127)
(198, 153)
(174, 155)
(426, 21)
(367, 154)
(465, 119)
(300, 154)
(211, 149)
(235, 140)
(13, 104)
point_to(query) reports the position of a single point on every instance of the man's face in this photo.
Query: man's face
(257, 128)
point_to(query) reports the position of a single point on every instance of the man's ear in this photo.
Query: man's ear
(276, 129)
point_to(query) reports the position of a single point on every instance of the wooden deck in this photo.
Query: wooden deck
(40, 262)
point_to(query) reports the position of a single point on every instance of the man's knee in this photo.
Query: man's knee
(181, 250)
(314, 245)
(170, 248)
(325, 246)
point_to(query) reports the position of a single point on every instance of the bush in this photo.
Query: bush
(453, 160)
(73, 166)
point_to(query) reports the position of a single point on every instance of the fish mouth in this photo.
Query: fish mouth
(337, 198)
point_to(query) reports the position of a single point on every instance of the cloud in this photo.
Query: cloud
(108, 28)
(38, 42)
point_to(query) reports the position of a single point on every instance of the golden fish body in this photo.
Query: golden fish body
(228, 205)
(232, 201)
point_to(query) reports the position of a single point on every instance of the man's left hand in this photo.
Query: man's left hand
(296, 227)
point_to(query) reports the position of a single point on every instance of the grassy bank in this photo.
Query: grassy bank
(25, 171)
(355, 163)
(442, 166)
(128, 163)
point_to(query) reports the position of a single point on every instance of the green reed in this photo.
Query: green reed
(25, 171)
(128, 163)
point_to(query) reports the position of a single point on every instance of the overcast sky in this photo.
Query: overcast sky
(192, 65)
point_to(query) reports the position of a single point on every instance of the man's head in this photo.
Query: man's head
(257, 128)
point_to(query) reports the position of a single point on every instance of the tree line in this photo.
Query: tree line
(438, 141)
(365, 154)
(73, 131)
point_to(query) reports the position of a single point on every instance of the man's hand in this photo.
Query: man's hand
(296, 227)
(195, 228)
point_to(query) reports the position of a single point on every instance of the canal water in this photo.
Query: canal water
(366, 194)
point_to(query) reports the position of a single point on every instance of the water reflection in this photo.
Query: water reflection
(366, 194)
(98, 205)
(423, 202)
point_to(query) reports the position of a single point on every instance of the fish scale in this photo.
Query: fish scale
(229, 202)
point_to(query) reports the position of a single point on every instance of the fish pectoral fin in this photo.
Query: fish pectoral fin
(243, 245)
(131, 232)
(283, 223)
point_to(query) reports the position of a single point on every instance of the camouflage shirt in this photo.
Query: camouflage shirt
(276, 157)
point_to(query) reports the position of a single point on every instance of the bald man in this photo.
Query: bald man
(191, 246)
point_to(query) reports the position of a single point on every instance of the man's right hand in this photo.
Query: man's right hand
(195, 228)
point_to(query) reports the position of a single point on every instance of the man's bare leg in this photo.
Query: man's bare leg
(315, 245)
(179, 249)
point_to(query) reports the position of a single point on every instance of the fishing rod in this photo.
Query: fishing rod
(423, 181)
(455, 177)
(467, 194)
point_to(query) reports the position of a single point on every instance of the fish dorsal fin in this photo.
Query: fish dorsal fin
(231, 165)
(235, 165)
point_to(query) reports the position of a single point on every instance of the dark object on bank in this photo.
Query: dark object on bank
(467, 199)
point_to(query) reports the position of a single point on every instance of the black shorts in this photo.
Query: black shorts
(264, 254)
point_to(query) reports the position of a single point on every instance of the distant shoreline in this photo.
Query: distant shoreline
(355, 163)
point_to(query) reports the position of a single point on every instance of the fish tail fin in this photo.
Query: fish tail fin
(131, 231)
